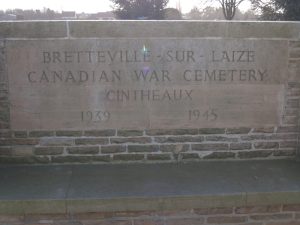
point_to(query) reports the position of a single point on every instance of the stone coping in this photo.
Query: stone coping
(141, 187)
(148, 29)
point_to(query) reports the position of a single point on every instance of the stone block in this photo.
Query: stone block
(19, 141)
(213, 211)
(113, 149)
(69, 133)
(289, 144)
(285, 152)
(83, 150)
(258, 209)
(128, 157)
(226, 219)
(157, 132)
(212, 131)
(143, 148)
(20, 134)
(137, 140)
(264, 130)
(5, 134)
(178, 139)
(22, 150)
(57, 141)
(221, 139)
(292, 208)
(128, 133)
(255, 154)
(41, 133)
(91, 141)
(238, 130)
(100, 133)
(159, 156)
(240, 146)
(209, 147)
(183, 221)
(220, 155)
(5, 151)
(276, 217)
(174, 148)
(266, 145)
(189, 156)
(48, 150)
(287, 129)
(23, 160)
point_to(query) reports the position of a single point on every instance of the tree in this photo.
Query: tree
(277, 9)
(140, 9)
(213, 13)
(172, 14)
(229, 7)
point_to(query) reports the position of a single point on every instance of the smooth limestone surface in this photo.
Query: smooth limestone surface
(144, 83)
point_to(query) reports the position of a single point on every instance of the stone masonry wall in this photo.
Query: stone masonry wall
(248, 215)
(151, 145)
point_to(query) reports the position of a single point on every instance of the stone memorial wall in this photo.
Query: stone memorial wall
(91, 91)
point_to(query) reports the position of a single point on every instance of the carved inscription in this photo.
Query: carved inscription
(132, 83)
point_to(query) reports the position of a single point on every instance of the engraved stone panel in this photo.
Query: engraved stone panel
(146, 83)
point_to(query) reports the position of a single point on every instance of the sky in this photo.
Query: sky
(89, 6)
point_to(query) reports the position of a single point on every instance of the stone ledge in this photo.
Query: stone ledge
(33, 29)
(101, 188)
(74, 206)
(149, 29)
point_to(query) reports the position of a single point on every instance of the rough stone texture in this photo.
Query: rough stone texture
(257, 209)
(207, 147)
(99, 133)
(139, 140)
(20, 134)
(56, 141)
(69, 133)
(48, 150)
(254, 154)
(266, 145)
(211, 131)
(41, 133)
(128, 133)
(240, 146)
(80, 159)
(179, 139)
(187, 156)
(220, 155)
(226, 219)
(143, 148)
(91, 141)
(175, 148)
(241, 130)
(156, 132)
(159, 156)
(128, 157)
(83, 150)
(113, 149)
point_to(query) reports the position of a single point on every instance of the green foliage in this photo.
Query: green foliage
(278, 9)
(140, 9)
(213, 13)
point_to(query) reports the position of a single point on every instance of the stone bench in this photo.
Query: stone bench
(206, 193)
